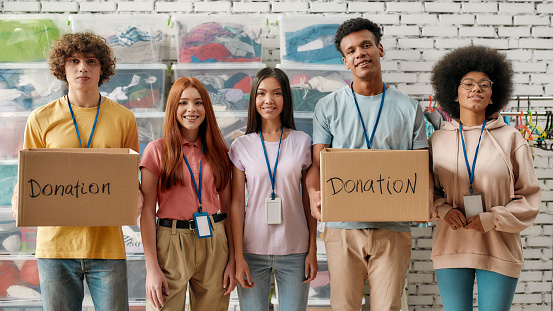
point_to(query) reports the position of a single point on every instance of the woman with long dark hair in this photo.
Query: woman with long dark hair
(274, 232)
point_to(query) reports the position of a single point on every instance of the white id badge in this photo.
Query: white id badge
(473, 205)
(273, 211)
(203, 226)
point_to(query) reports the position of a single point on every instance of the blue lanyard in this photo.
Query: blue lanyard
(471, 173)
(369, 142)
(75, 121)
(198, 189)
(271, 175)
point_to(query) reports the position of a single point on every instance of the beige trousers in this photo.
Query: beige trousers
(186, 261)
(355, 255)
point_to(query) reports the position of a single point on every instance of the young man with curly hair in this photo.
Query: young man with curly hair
(83, 118)
(379, 252)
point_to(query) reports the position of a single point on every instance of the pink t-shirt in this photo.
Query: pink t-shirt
(292, 235)
(181, 202)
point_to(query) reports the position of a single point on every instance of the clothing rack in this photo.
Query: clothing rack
(514, 98)
(513, 113)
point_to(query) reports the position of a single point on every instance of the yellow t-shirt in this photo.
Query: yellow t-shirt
(51, 126)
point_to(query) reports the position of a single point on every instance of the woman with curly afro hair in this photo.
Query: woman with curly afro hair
(82, 118)
(485, 187)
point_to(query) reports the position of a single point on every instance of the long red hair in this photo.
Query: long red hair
(215, 149)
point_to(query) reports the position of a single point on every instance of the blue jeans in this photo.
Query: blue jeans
(289, 276)
(62, 288)
(495, 291)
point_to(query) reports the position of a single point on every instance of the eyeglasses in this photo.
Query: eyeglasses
(484, 84)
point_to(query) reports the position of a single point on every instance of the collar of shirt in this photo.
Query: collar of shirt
(197, 143)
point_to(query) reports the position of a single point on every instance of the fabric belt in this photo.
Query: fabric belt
(187, 224)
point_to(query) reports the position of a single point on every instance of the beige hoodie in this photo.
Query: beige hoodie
(505, 177)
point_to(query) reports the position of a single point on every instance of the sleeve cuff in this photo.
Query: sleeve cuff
(443, 210)
(487, 221)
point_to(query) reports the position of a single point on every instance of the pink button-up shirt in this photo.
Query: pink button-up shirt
(181, 202)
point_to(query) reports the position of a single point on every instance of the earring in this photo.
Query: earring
(491, 102)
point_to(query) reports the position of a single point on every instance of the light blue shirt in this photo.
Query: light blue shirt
(401, 127)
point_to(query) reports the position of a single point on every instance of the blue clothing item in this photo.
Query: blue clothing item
(336, 123)
(495, 291)
(129, 36)
(327, 55)
(289, 276)
(62, 288)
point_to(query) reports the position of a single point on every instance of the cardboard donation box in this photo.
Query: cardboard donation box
(374, 185)
(77, 187)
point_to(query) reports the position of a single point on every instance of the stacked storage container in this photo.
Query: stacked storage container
(25, 84)
(139, 85)
(315, 69)
(139, 80)
(224, 53)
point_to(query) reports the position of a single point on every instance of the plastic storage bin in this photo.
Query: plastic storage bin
(8, 179)
(15, 240)
(232, 124)
(12, 129)
(309, 39)
(133, 38)
(28, 37)
(19, 279)
(150, 127)
(228, 85)
(309, 84)
(137, 87)
(219, 38)
(26, 86)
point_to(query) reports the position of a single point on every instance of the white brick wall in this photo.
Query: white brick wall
(365, 7)
(213, 6)
(174, 7)
(60, 7)
(249, 7)
(135, 6)
(479, 7)
(416, 35)
(328, 7)
(97, 7)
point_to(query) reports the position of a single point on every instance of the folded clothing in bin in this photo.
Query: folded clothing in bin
(26, 40)
(27, 86)
(313, 44)
(133, 45)
(218, 42)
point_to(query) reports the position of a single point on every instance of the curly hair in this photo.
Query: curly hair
(355, 25)
(452, 67)
(85, 43)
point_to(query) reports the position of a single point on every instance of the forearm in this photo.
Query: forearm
(148, 231)
(312, 179)
(238, 230)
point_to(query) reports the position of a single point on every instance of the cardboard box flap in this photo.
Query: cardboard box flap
(374, 185)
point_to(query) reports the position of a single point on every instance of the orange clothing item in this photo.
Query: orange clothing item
(180, 202)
